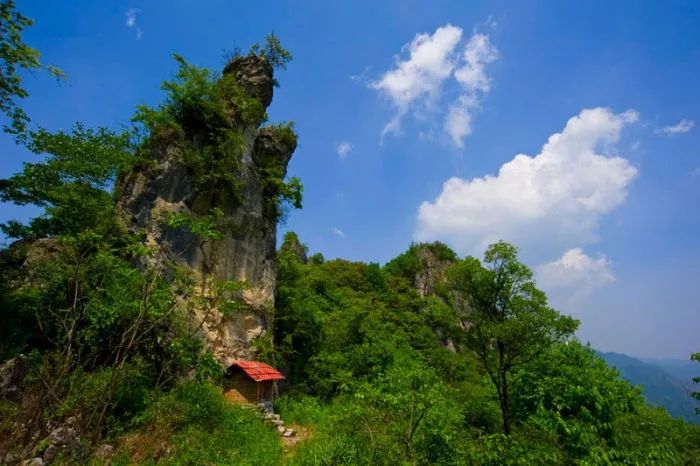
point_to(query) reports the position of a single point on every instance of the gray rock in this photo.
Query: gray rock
(246, 252)
(62, 435)
(288, 433)
(51, 452)
(33, 462)
(12, 375)
(254, 74)
(432, 271)
(104, 452)
(281, 429)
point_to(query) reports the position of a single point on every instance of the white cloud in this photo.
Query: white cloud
(416, 83)
(361, 76)
(682, 126)
(458, 123)
(343, 149)
(575, 274)
(418, 78)
(131, 21)
(475, 84)
(338, 232)
(548, 200)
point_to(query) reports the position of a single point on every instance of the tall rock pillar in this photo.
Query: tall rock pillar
(245, 251)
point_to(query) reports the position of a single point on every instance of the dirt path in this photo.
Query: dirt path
(289, 443)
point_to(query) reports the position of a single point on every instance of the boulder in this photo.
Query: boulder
(12, 375)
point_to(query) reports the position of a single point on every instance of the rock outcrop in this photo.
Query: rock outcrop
(431, 263)
(12, 375)
(245, 252)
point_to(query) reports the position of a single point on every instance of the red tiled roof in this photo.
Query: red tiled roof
(258, 371)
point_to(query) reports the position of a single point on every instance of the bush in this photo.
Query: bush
(199, 426)
(301, 409)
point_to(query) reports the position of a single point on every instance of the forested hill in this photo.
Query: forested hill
(151, 269)
(663, 384)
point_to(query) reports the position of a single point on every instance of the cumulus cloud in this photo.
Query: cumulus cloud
(343, 149)
(131, 21)
(575, 274)
(681, 127)
(550, 199)
(338, 232)
(417, 81)
(418, 78)
(471, 76)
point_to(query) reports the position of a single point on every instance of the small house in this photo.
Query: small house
(251, 382)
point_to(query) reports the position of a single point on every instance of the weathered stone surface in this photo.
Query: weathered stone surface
(12, 375)
(61, 439)
(254, 74)
(246, 252)
(104, 452)
(432, 270)
(33, 462)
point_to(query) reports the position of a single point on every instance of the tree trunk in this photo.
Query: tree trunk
(503, 399)
(503, 392)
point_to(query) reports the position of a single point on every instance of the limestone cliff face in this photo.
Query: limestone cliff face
(432, 270)
(434, 259)
(246, 251)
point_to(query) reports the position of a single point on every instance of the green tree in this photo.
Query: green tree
(413, 408)
(15, 55)
(507, 320)
(573, 394)
(273, 51)
(71, 184)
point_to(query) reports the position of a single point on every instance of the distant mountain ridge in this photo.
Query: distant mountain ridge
(664, 382)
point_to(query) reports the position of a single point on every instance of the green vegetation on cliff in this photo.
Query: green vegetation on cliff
(429, 359)
(385, 376)
(100, 327)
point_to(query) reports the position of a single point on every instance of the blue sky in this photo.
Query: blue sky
(393, 99)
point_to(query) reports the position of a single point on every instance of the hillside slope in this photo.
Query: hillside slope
(661, 386)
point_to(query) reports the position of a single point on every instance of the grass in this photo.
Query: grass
(194, 425)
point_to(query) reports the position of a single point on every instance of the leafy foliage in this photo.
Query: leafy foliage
(205, 227)
(201, 102)
(571, 393)
(204, 114)
(109, 322)
(430, 359)
(509, 322)
(15, 55)
(373, 376)
(71, 184)
(194, 424)
(273, 51)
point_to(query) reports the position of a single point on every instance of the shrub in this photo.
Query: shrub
(201, 427)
